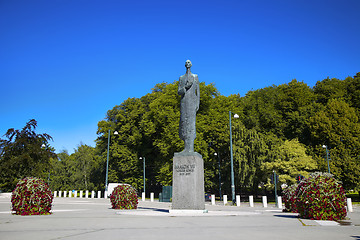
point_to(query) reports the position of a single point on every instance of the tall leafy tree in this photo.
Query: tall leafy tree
(337, 126)
(83, 162)
(79, 170)
(250, 151)
(24, 153)
(62, 170)
(290, 161)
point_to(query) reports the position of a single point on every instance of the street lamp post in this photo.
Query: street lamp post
(219, 176)
(107, 160)
(231, 159)
(275, 177)
(143, 171)
(327, 157)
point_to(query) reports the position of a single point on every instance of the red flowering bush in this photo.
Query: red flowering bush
(31, 196)
(289, 198)
(321, 197)
(124, 197)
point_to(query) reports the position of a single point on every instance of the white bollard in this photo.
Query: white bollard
(64, 194)
(143, 196)
(59, 193)
(69, 194)
(225, 199)
(87, 194)
(151, 197)
(99, 194)
(251, 201)
(349, 205)
(55, 194)
(264, 201)
(81, 194)
(279, 202)
(105, 194)
(238, 200)
(92, 194)
(75, 194)
(213, 199)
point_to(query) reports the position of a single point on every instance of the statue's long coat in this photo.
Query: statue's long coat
(189, 90)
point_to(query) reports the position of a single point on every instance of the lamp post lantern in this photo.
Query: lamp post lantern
(107, 160)
(327, 157)
(231, 159)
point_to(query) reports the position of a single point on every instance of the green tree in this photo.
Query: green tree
(353, 91)
(79, 170)
(61, 172)
(290, 161)
(329, 89)
(83, 160)
(337, 126)
(261, 113)
(24, 153)
(250, 151)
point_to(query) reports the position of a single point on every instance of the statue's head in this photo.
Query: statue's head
(188, 64)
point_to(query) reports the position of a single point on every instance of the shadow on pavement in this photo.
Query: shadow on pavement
(154, 209)
(287, 216)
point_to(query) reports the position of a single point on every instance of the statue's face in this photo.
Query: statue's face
(188, 64)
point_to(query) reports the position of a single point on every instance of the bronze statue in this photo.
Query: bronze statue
(189, 90)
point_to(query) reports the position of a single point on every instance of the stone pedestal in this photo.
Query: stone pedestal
(188, 182)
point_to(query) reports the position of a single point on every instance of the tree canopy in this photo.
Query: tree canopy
(280, 128)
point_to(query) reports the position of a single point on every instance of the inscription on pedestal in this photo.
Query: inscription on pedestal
(185, 169)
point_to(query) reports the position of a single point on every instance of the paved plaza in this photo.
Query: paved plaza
(75, 218)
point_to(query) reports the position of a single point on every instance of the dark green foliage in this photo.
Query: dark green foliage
(330, 89)
(124, 197)
(321, 197)
(81, 170)
(353, 91)
(32, 196)
(24, 153)
(337, 126)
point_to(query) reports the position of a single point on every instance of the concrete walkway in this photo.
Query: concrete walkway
(94, 219)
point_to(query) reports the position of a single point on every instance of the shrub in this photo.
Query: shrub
(124, 197)
(289, 198)
(321, 197)
(31, 196)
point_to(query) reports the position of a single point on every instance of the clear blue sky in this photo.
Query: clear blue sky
(66, 62)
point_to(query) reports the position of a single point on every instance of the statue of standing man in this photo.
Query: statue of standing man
(189, 90)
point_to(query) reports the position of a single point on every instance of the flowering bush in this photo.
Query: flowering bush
(321, 197)
(289, 198)
(124, 197)
(31, 196)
